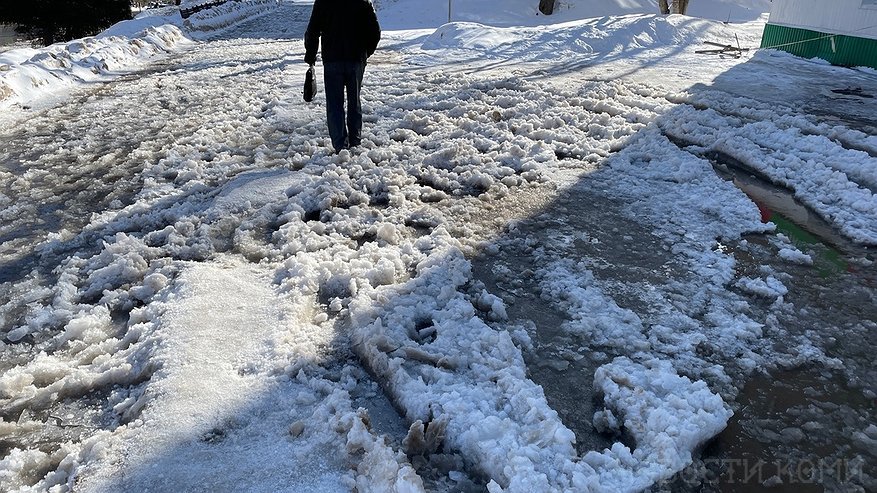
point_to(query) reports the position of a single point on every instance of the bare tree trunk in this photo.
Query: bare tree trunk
(678, 6)
(546, 6)
(665, 8)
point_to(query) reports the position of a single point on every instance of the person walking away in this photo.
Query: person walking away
(349, 33)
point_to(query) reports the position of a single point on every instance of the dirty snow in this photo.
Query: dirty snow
(235, 303)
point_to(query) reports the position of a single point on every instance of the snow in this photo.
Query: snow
(210, 351)
(669, 416)
(795, 255)
(407, 14)
(837, 183)
(28, 74)
(769, 287)
(239, 305)
(575, 43)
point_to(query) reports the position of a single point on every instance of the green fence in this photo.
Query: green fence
(848, 51)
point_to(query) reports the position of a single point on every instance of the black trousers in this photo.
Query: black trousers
(341, 77)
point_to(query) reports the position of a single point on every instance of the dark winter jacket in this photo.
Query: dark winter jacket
(348, 30)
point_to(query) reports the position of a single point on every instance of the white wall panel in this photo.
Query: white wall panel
(851, 17)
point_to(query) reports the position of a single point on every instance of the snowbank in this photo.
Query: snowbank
(207, 21)
(27, 75)
(575, 43)
(419, 14)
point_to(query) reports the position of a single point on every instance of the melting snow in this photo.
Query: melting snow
(221, 306)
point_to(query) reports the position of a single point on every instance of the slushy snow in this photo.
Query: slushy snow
(238, 305)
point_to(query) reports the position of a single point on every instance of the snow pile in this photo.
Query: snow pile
(577, 41)
(26, 74)
(226, 14)
(415, 14)
(471, 36)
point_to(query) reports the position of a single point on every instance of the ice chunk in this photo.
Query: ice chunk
(795, 256)
(668, 415)
(770, 287)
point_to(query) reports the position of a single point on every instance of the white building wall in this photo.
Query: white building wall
(850, 17)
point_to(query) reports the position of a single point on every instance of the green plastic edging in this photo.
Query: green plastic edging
(838, 49)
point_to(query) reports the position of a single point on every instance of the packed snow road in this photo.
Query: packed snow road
(515, 284)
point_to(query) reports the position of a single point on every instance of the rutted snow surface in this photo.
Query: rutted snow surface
(250, 286)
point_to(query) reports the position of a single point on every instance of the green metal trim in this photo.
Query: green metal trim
(838, 49)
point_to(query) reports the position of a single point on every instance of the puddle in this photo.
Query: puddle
(807, 231)
(796, 431)
(797, 221)
(801, 429)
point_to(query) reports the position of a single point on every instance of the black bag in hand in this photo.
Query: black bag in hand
(310, 84)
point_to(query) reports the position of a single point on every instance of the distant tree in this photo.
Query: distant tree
(546, 6)
(51, 21)
(673, 6)
(664, 6)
